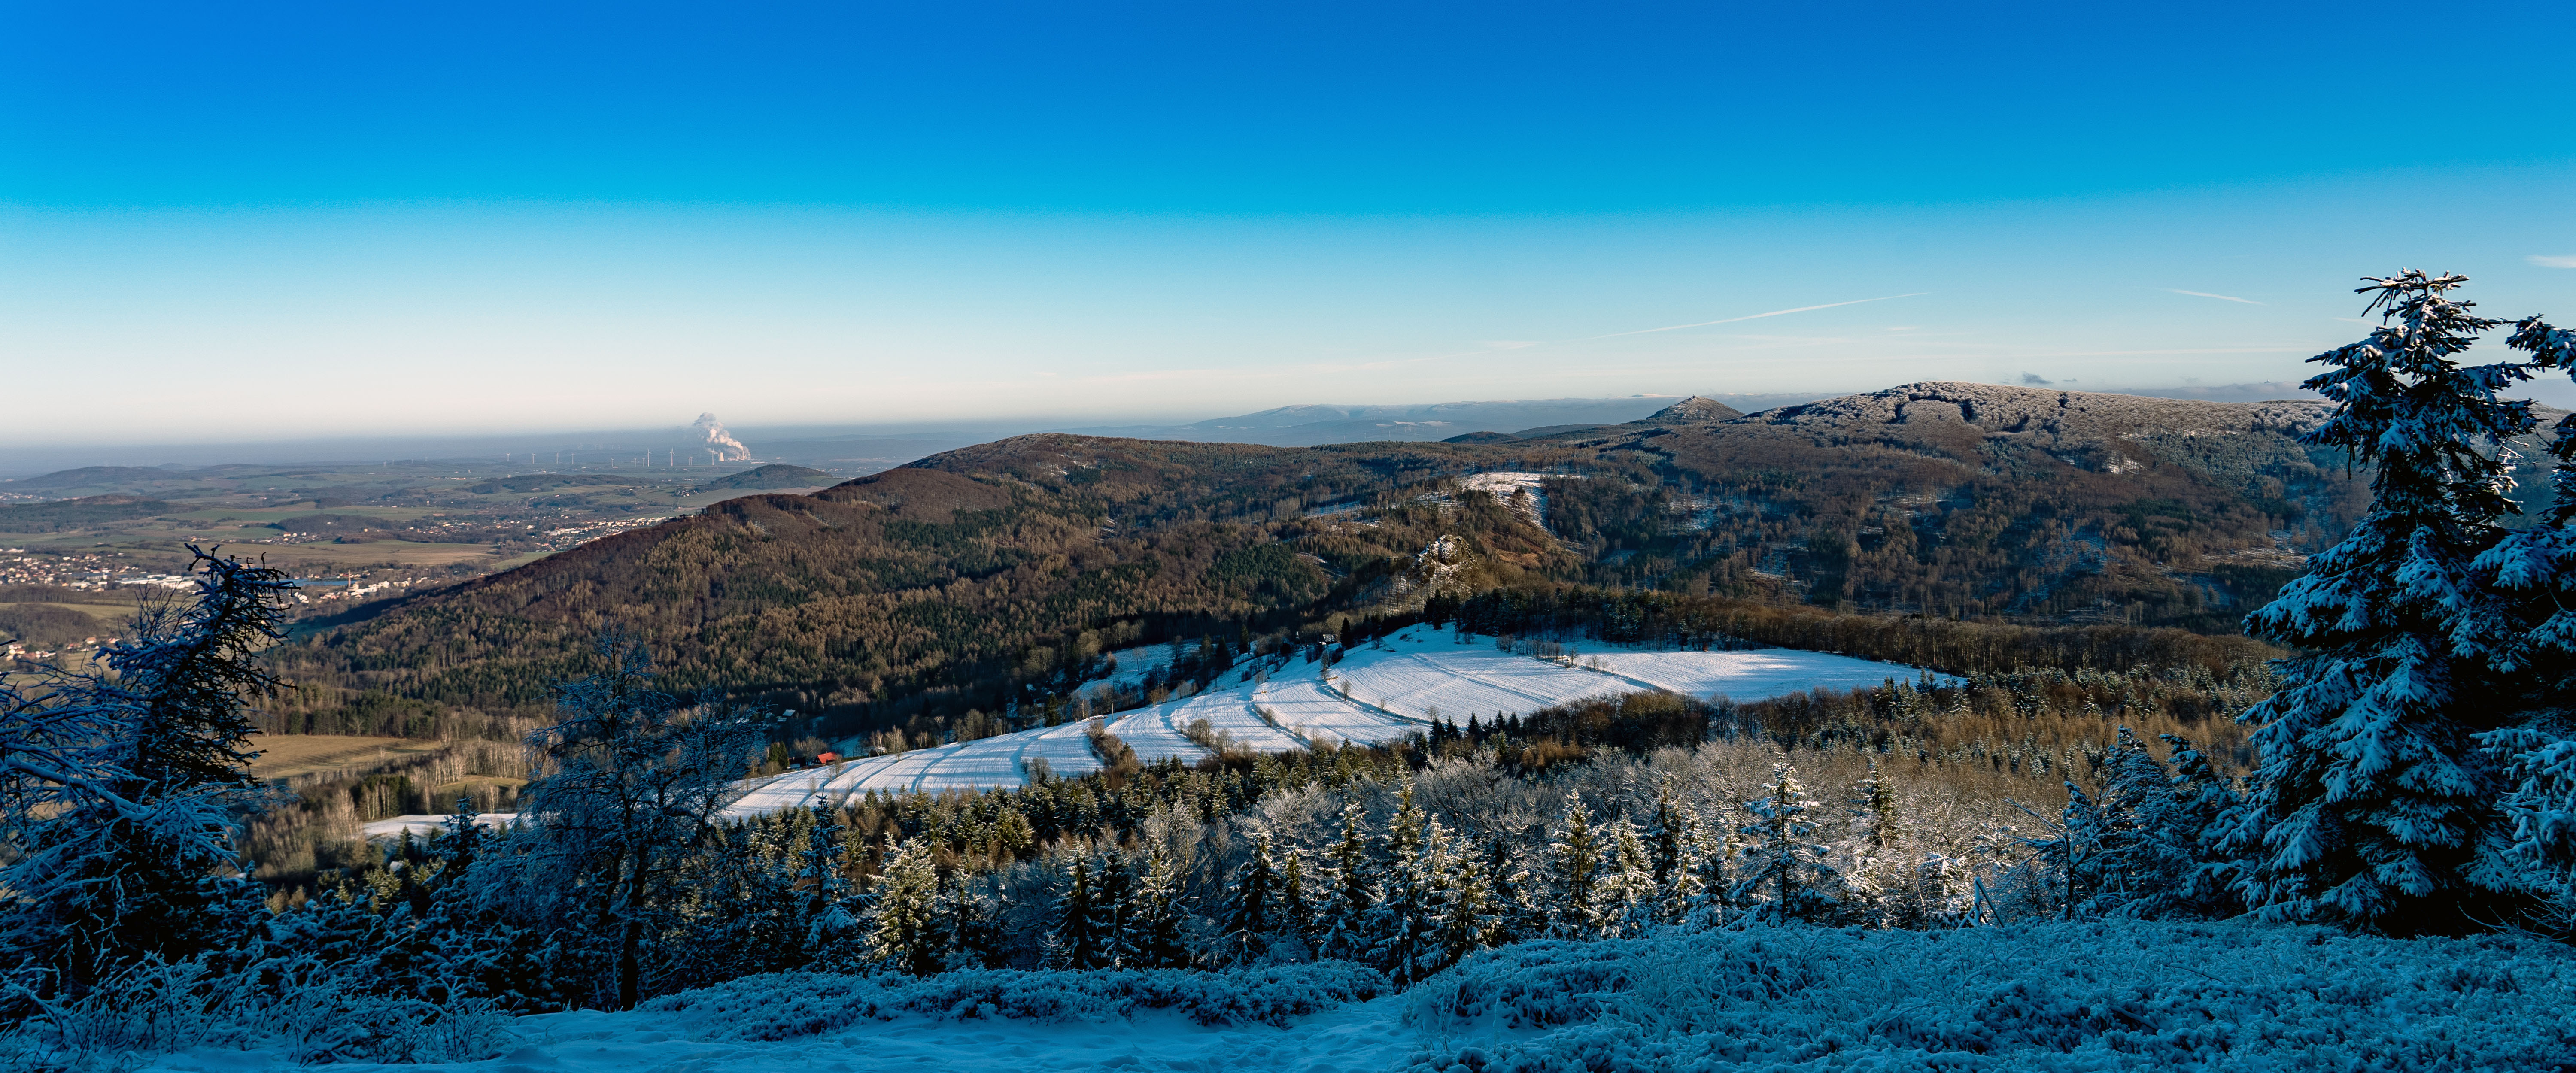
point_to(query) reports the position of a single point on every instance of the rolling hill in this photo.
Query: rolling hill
(995, 574)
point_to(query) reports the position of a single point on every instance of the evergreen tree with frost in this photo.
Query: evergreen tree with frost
(121, 792)
(824, 911)
(1350, 889)
(2371, 807)
(1875, 876)
(1629, 893)
(1296, 908)
(973, 923)
(1786, 875)
(1707, 903)
(1152, 929)
(1664, 837)
(2205, 798)
(1408, 919)
(1516, 913)
(1252, 902)
(902, 920)
(1688, 876)
(2535, 656)
(1470, 917)
(1576, 859)
(2150, 845)
(1082, 938)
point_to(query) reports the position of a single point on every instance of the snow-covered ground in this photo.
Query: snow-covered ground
(1377, 693)
(2099, 996)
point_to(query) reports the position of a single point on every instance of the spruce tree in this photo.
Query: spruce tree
(1576, 860)
(1470, 916)
(2534, 654)
(824, 909)
(1786, 876)
(1251, 901)
(1350, 891)
(902, 920)
(1516, 913)
(1627, 892)
(1663, 836)
(1082, 938)
(2371, 807)
(2204, 799)
(1407, 920)
(1152, 936)
(1296, 908)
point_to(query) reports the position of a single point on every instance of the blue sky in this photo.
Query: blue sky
(462, 216)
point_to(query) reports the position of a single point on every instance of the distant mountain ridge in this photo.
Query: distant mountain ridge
(1313, 425)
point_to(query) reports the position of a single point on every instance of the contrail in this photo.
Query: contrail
(1759, 316)
(2220, 297)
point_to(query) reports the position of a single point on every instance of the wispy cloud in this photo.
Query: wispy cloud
(1759, 316)
(2547, 261)
(1512, 344)
(2220, 297)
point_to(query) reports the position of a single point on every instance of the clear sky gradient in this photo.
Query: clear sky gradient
(302, 219)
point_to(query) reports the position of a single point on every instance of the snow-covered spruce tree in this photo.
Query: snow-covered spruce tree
(1470, 917)
(972, 920)
(1663, 836)
(1350, 889)
(1516, 913)
(2203, 798)
(1150, 936)
(1251, 903)
(629, 786)
(1575, 862)
(1082, 938)
(1627, 893)
(1410, 916)
(1786, 876)
(823, 908)
(120, 792)
(1688, 877)
(1709, 902)
(1296, 908)
(2535, 569)
(1876, 877)
(2150, 841)
(902, 919)
(2372, 807)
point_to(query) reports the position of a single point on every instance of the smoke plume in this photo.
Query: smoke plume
(720, 442)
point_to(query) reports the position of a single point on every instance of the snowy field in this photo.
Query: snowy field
(1375, 694)
(2108, 996)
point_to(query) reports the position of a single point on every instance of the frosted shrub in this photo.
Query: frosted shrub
(2105, 996)
(306, 1011)
(154, 1007)
(787, 1005)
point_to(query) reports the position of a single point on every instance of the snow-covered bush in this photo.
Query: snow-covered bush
(2100, 996)
(787, 1005)
(308, 1013)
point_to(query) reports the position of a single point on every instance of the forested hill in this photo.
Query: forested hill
(943, 584)
(968, 578)
(1971, 500)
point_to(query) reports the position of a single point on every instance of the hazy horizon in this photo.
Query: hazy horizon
(320, 221)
